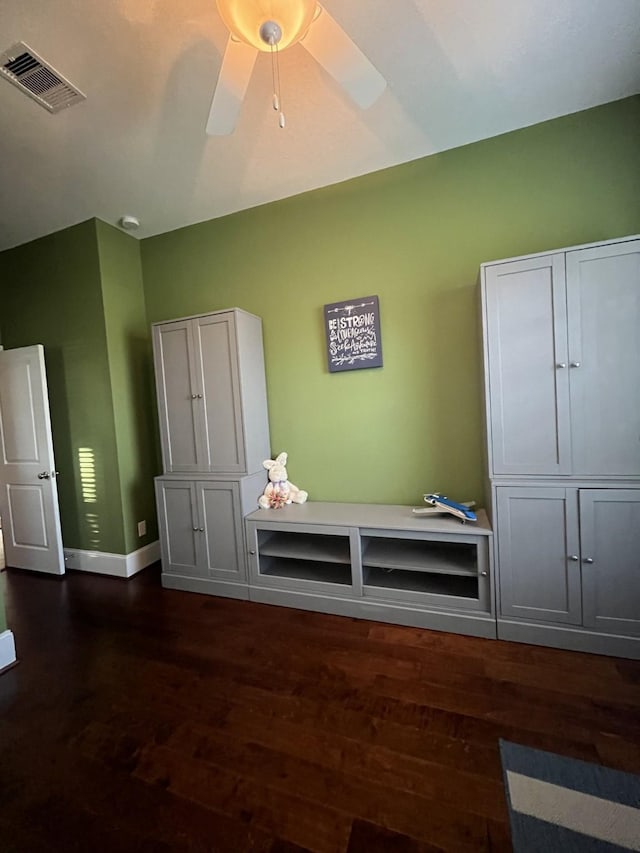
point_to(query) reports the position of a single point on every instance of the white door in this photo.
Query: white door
(28, 489)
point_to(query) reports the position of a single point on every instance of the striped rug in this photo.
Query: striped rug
(560, 804)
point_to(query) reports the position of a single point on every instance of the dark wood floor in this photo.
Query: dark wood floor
(141, 719)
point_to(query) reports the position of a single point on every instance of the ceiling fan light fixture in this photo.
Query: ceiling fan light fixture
(270, 33)
(268, 26)
(245, 19)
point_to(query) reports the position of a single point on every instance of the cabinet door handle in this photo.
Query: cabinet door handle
(561, 364)
(199, 396)
(484, 574)
(195, 529)
(202, 530)
(588, 559)
(575, 364)
(194, 396)
(252, 552)
(573, 557)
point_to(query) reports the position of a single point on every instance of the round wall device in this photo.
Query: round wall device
(129, 223)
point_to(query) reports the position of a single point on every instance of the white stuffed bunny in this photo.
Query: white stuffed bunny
(279, 491)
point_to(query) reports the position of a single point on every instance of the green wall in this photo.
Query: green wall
(52, 293)
(415, 236)
(129, 355)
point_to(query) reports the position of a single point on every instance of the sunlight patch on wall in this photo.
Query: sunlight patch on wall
(87, 465)
(86, 458)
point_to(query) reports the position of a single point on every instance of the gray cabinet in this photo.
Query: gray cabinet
(201, 523)
(374, 561)
(561, 353)
(212, 393)
(570, 556)
(539, 554)
(202, 532)
(214, 429)
(562, 383)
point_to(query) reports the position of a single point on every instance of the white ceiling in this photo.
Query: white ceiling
(458, 71)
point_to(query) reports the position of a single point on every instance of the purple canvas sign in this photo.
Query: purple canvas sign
(353, 334)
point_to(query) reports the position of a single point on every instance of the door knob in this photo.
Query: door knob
(194, 396)
(195, 529)
(588, 559)
(44, 475)
(573, 557)
(561, 364)
(575, 364)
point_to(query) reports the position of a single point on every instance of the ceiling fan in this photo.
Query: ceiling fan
(271, 26)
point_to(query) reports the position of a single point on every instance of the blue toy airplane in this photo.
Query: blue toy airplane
(439, 504)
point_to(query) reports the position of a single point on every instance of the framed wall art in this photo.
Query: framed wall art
(352, 328)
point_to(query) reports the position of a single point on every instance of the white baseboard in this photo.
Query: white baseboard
(7, 649)
(116, 565)
(143, 557)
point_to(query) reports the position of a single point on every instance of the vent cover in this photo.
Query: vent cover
(25, 69)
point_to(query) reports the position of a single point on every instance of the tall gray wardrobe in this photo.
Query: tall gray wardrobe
(214, 430)
(562, 379)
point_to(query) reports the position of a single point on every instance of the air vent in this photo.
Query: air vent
(25, 69)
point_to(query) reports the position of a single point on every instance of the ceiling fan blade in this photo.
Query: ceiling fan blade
(235, 73)
(330, 46)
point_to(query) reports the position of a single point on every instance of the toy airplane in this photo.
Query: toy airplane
(440, 505)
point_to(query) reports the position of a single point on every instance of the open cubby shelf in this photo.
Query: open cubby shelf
(434, 584)
(305, 546)
(306, 570)
(416, 555)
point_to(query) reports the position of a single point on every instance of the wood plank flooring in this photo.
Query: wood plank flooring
(143, 719)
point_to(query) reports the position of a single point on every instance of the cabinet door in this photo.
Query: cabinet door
(610, 537)
(603, 297)
(223, 550)
(528, 374)
(217, 369)
(178, 404)
(179, 529)
(538, 556)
